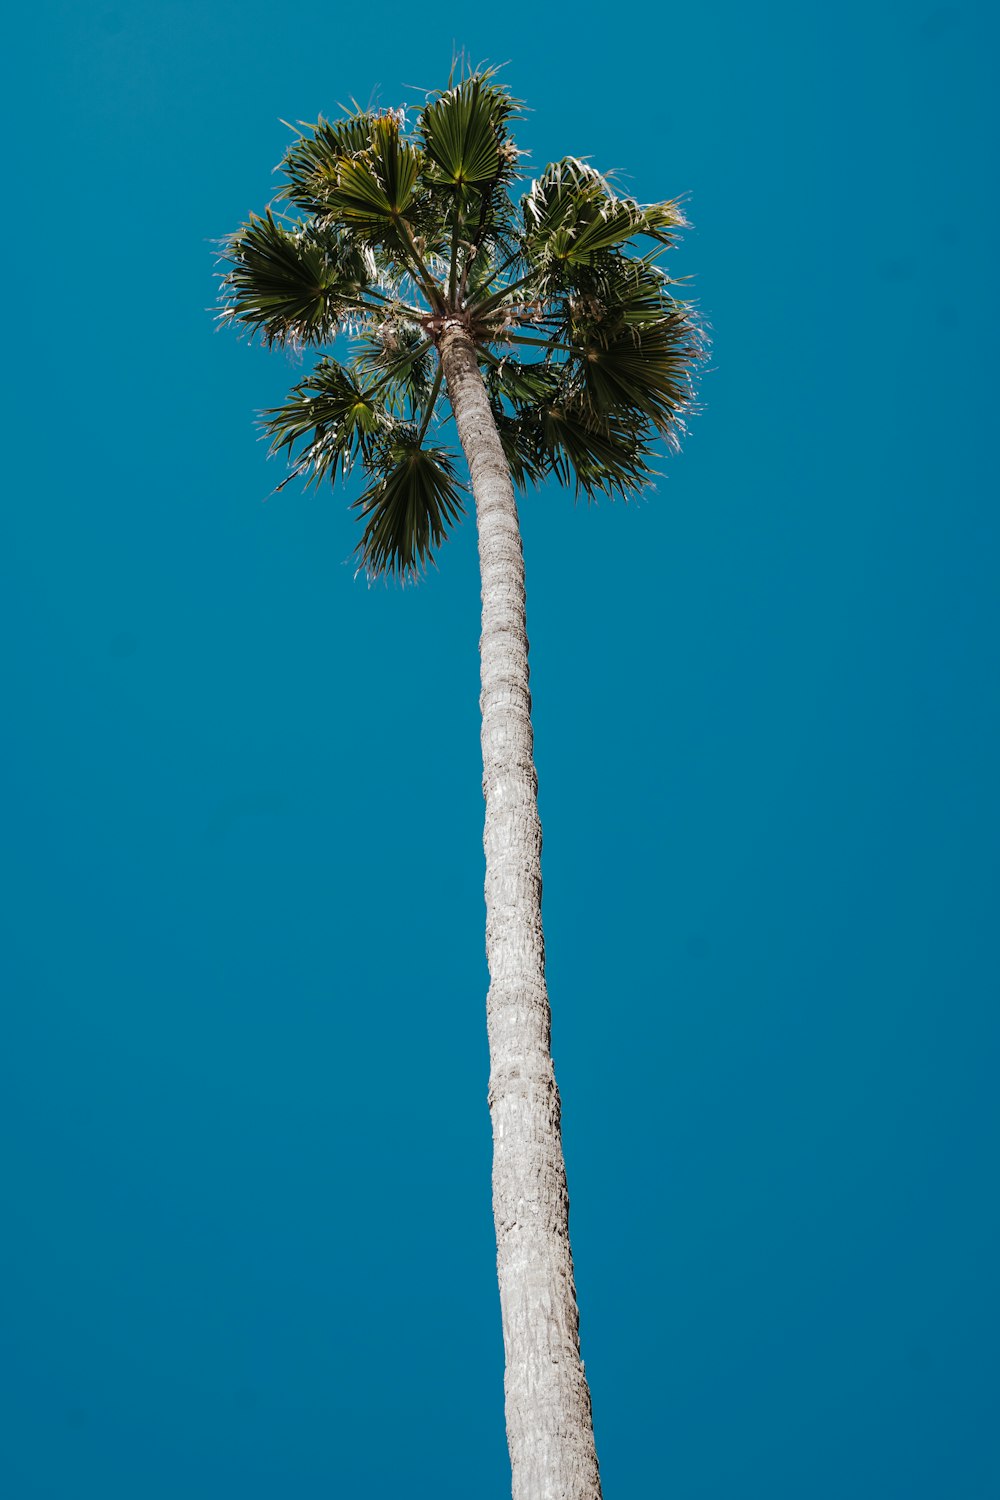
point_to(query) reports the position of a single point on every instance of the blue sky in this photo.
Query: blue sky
(249, 1245)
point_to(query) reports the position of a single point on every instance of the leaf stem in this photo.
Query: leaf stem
(430, 403)
(398, 368)
(498, 272)
(424, 278)
(520, 338)
(453, 271)
(498, 297)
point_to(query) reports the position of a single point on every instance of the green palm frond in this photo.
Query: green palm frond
(312, 161)
(290, 285)
(361, 174)
(374, 188)
(523, 385)
(489, 275)
(516, 391)
(644, 372)
(602, 457)
(400, 359)
(519, 438)
(372, 193)
(465, 133)
(410, 507)
(598, 455)
(332, 417)
(494, 239)
(615, 292)
(571, 215)
(549, 424)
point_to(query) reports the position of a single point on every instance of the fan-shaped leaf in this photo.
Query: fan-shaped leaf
(375, 187)
(311, 163)
(332, 416)
(520, 384)
(615, 292)
(464, 133)
(520, 444)
(644, 372)
(598, 455)
(289, 284)
(409, 508)
(571, 215)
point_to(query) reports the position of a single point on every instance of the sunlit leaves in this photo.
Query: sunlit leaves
(374, 189)
(465, 134)
(410, 507)
(328, 420)
(311, 163)
(571, 215)
(289, 285)
(359, 174)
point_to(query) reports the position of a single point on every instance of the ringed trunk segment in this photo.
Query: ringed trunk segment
(549, 1423)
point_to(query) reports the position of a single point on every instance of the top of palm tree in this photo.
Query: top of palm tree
(390, 229)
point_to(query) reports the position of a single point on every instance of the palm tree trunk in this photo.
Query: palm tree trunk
(549, 1424)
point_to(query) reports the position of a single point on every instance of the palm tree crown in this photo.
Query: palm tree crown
(396, 233)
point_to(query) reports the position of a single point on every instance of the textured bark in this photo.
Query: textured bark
(549, 1425)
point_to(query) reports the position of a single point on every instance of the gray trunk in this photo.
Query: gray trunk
(549, 1425)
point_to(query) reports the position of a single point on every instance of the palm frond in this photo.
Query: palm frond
(571, 215)
(523, 385)
(374, 188)
(548, 425)
(359, 173)
(525, 457)
(399, 356)
(493, 242)
(312, 162)
(616, 291)
(465, 133)
(603, 457)
(598, 455)
(290, 285)
(410, 507)
(514, 392)
(644, 372)
(333, 418)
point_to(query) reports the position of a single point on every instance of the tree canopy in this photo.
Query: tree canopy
(386, 229)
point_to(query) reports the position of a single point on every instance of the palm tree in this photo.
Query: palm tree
(559, 350)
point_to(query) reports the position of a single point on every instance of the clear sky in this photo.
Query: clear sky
(248, 1243)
